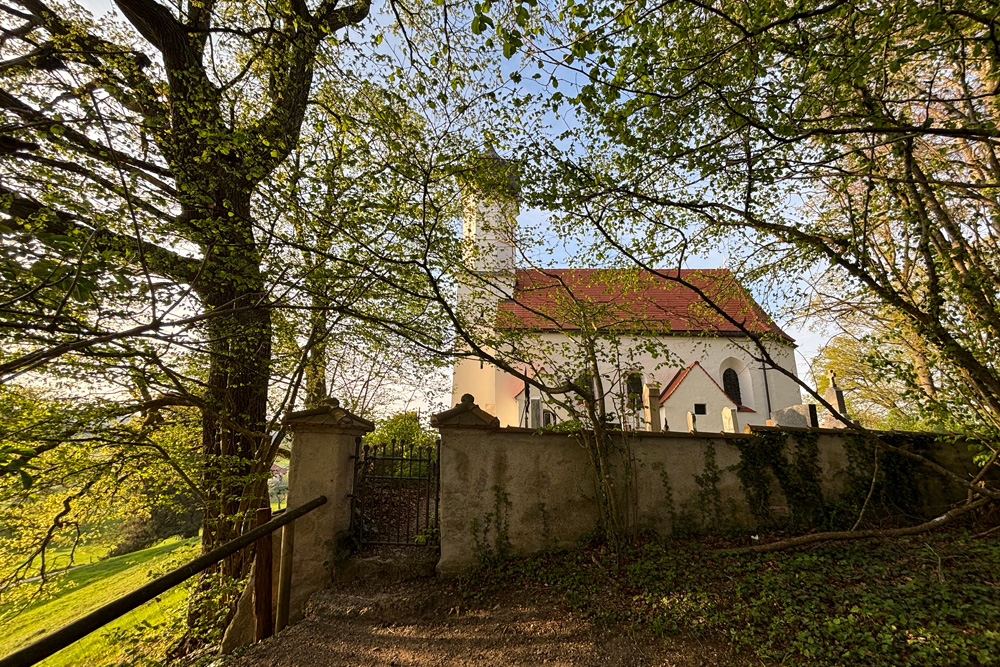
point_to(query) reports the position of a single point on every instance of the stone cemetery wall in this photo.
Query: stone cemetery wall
(505, 491)
(511, 490)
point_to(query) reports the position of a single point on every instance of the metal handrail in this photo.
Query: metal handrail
(80, 628)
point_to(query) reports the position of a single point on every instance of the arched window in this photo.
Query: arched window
(731, 385)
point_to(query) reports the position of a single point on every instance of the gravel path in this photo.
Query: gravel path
(423, 622)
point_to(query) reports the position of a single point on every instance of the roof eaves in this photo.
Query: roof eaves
(675, 382)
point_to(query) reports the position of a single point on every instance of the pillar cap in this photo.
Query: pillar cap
(328, 413)
(466, 413)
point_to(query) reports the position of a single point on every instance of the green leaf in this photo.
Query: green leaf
(43, 268)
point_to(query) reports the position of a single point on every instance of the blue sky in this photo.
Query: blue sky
(809, 341)
(97, 7)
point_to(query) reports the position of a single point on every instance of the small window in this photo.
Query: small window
(699, 409)
(586, 384)
(731, 385)
(634, 387)
(548, 418)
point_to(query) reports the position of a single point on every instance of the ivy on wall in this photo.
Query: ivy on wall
(764, 461)
(709, 496)
(776, 463)
(492, 535)
(896, 487)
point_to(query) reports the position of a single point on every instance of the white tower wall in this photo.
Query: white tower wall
(489, 224)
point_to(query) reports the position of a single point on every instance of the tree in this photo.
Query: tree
(83, 468)
(854, 141)
(195, 202)
(871, 371)
(402, 430)
(167, 152)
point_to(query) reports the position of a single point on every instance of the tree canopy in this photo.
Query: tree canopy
(203, 204)
(853, 141)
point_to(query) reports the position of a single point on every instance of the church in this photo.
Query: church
(669, 345)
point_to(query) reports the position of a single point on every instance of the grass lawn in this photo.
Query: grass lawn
(83, 589)
(84, 554)
(97, 541)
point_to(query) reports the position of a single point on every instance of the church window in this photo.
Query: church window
(700, 409)
(731, 385)
(634, 387)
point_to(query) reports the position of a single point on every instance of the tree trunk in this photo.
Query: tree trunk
(234, 426)
(922, 368)
(235, 415)
(315, 371)
(234, 435)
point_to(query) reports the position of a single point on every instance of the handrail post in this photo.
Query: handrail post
(285, 576)
(264, 626)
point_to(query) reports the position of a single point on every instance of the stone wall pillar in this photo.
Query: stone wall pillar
(651, 406)
(322, 464)
(452, 465)
(323, 446)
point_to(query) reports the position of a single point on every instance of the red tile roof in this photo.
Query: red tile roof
(675, 382)
(630, 300)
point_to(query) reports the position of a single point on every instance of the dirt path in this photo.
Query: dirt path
(423, 622)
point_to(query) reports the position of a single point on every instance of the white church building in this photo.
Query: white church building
(666, 359)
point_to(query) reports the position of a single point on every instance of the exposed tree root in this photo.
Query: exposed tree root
(842, 535)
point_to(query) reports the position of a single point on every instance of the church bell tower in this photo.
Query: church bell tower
(490, 205)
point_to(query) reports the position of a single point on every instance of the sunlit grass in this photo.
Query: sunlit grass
(72, 594)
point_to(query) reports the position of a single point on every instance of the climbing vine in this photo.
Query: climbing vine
(764, 459)
(668, 501)
(887, 481)
(877, 482)
(492, 535)
(709, 496)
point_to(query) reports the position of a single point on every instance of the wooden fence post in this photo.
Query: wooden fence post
(285, 576)
(264, 625)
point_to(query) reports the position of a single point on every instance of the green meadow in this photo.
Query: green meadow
(72, 594)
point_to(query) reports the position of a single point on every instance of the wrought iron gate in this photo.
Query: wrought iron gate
(396, 492)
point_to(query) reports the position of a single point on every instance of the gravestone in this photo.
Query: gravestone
(651, 407)
(730, 420)
(802, 416)
(834, 395)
